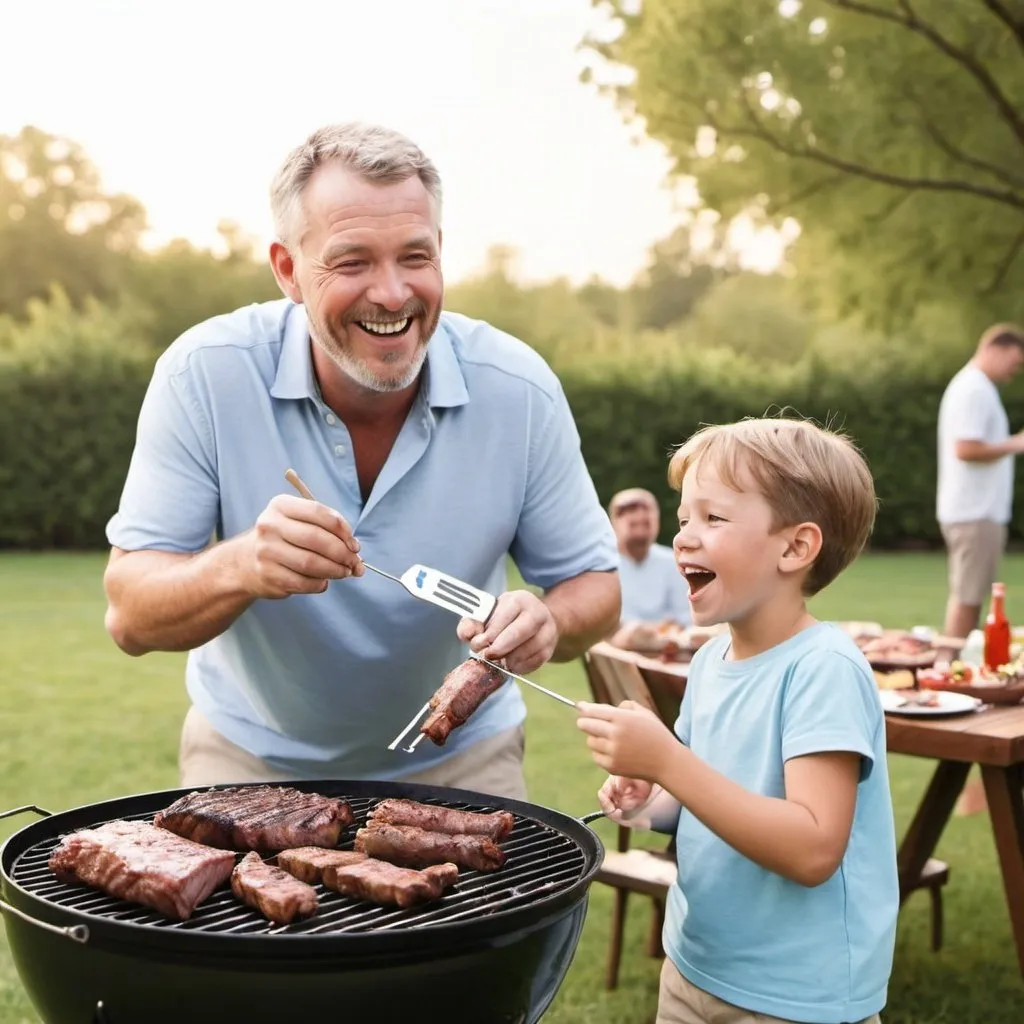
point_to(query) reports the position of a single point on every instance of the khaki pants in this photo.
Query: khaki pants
(974, 550)
(679, 1002)
(493, 766)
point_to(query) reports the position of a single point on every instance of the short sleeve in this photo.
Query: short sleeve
(171, 497)
(968, 413)
(831, 704)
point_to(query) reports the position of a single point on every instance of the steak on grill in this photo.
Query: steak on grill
(307, 863)
(261, 818)
(443, 819)
(135, 861)
(464, 689)
(380, 882)
(413, 847)
(277, 895)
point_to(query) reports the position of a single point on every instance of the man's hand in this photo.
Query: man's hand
(627, 740)
(521, 630)
(296, 547)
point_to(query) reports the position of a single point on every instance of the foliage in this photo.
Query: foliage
(891, 129)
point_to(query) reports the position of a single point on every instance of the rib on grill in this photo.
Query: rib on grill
(417, 848)
(261, 818)
(135, 861)
(275, 893)
(443, 819)
(389, 884)
(464, 689)
(307, 863)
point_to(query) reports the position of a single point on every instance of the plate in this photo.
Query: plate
(948, 704)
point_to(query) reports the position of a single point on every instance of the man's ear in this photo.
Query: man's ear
(283, 265)
(803, 547)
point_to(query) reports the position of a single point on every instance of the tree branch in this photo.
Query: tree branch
(1015, 25)
(1004, 267)
(759, 131)
(911, 21)
(824, 182)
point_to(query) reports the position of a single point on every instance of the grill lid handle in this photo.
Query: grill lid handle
(28, 807)
(77, 932)
(592, 816)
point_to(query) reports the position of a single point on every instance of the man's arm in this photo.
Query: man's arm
(982, 451)
(585, 610)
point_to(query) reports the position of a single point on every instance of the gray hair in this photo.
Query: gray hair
(375, 153)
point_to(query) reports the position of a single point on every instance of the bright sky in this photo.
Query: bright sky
(190, 107)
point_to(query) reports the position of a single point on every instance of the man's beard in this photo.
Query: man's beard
(360, 372)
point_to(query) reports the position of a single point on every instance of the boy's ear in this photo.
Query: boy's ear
(803, 547)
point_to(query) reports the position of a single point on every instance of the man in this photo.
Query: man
(652, 588)
(427, 437)
(975, 478)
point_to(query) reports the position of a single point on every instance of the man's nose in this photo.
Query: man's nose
(389, 288)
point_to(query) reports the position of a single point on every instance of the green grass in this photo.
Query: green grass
(80, 722)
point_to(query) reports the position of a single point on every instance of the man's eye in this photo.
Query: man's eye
(350, 265)
(418, 257)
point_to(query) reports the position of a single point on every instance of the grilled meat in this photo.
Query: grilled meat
(443, 819)
(464, 689)
(414, 847)
(135, 861)
(261, 818)
(307, 863)
(276, 894)
(388, 884)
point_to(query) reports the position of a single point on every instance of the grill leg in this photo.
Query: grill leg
(100, 1016)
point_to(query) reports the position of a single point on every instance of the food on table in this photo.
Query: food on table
(272, 891)
(443, 819)
(901, 679)
(919, 699)
(388, 884)
(464, 689)
(897, 647)
(413, 847)
(261, 818)
(307, 863)
(138, 862)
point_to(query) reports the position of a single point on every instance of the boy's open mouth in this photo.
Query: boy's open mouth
(698, 578)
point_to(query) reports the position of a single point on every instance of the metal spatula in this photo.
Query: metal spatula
(427, 584)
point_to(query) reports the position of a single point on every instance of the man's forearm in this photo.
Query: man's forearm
(162, 601)
(982, 451)
(585, 609)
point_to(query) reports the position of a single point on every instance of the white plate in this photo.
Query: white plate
(948, 704)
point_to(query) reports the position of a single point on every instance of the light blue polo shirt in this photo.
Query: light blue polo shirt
(654, 589)
(487, 463)
(739, 931)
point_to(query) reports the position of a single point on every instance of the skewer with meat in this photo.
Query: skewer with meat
(464, 689)
(275, 893)
(413, 847)
(443, 819)
(388, 884)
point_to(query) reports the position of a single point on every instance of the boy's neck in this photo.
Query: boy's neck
(768, 626)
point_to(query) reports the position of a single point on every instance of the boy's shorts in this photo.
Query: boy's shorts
(679, 1002)
(974, 552)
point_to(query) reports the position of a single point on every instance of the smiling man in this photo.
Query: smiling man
(426, 436)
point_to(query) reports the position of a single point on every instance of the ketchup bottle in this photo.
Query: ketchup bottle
(997, 630)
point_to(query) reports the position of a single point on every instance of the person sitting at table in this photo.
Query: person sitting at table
(775, 781)
(652, 590)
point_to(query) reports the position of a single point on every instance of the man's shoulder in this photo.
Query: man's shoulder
(482, 348)
(250, 328)
(969, 380)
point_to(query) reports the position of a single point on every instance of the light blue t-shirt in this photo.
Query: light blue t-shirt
(739, 931)
(654, 589)
(487, 463)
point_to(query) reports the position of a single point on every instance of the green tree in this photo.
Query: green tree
(893, 130)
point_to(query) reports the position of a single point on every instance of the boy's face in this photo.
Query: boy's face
(725, 548)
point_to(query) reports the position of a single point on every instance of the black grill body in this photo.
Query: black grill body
(495, 949)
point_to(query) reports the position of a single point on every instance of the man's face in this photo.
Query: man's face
(1008, 362)
(636, 527)
(367, 264)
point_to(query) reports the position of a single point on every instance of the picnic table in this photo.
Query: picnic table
(991, 737)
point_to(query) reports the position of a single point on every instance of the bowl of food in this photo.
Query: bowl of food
(1004, 685)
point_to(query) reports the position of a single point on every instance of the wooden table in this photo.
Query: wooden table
(992, 738)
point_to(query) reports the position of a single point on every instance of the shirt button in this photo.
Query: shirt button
(339, 449)
(330, 419)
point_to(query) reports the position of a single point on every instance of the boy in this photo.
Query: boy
(787, 894)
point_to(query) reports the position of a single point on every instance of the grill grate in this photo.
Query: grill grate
(540, 862)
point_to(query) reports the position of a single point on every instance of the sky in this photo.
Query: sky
(190, 107)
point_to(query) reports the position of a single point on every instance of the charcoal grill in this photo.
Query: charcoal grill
(494, 949)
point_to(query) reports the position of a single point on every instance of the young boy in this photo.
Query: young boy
(786, 899)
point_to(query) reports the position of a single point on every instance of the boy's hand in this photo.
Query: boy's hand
(627, 740)
(623, 801)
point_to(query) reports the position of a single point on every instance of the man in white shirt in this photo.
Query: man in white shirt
(975, 482)
(652, 588)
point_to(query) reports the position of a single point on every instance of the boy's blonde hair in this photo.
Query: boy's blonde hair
(806, 474)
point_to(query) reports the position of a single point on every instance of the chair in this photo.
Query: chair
(934, 876)
(652, 873)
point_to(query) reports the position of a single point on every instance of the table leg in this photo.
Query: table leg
(1004, 791)
(925, 830)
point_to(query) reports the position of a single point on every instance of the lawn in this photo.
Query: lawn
(81, 722)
